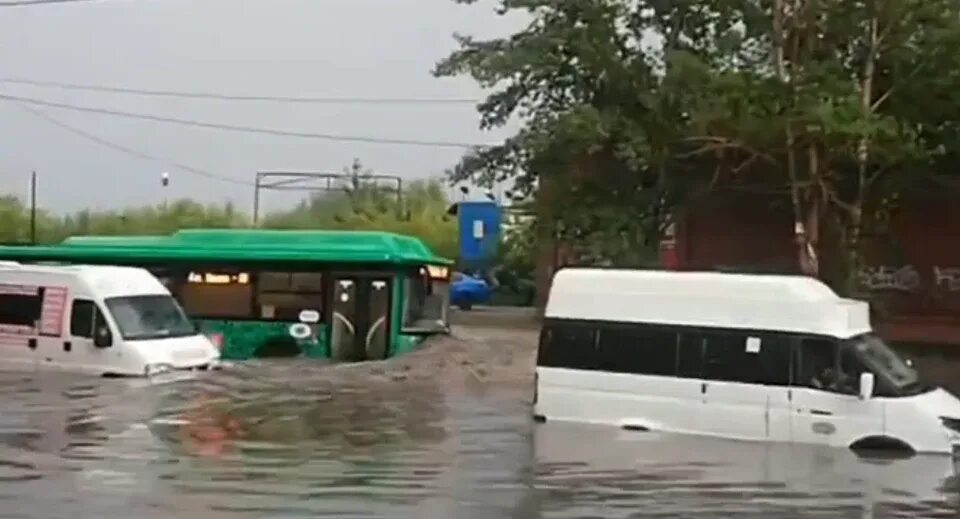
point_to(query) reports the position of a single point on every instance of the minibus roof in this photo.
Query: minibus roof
(107, 280)
(795, 304)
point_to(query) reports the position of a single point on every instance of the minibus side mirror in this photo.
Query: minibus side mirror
(866, 386)
(102, 338)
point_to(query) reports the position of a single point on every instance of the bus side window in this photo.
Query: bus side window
(282, 296)
(569, 345)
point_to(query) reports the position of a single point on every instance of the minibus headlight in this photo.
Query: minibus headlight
(156, 369)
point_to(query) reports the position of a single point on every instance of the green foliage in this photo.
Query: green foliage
(634, 109)
(420, 212)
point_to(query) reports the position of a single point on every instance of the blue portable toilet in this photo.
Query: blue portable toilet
(479, 224)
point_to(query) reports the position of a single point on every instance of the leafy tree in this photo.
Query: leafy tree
(363, 205)
(838, 105)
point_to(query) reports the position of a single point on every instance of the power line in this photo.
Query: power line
(130, 151)
(22, 3)
(243, 129)
(233, 97)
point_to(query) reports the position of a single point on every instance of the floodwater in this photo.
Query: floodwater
(445, 435)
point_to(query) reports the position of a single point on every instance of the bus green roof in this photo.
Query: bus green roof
(237, 245)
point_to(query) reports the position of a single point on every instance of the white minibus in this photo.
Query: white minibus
(746, 357)
(99, 320)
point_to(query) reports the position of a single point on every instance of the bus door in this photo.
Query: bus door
(360, 321)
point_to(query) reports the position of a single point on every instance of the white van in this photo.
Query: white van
(746, 357)
(101, 320)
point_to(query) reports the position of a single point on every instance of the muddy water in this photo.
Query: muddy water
(443, 433)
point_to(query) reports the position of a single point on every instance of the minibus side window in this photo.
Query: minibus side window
(568, 345)
(773, 360)
(724, 357)
(817, 365)
(690, 360)
(745, 357)
(850, 370)
(637, 349)
(81, 318)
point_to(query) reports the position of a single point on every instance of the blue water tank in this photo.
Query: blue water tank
(479, 233)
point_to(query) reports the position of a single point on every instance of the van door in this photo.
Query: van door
(80, 352)
(825, 404)
(737, 388)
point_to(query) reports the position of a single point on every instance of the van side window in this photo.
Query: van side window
(18, 307)
(816, 364)
(725, 357)
(690, 360)
(81, 318)
(772, 362)
(746, 357)
(850, 370)
(568, 345)
(637, 349)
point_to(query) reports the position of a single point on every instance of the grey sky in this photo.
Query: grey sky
(358, 48)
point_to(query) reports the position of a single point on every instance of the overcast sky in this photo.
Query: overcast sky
(336, 48)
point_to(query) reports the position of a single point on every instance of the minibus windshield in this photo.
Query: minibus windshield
(886, 363)
(149, 317)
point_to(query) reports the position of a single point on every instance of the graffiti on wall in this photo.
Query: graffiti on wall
(884, 277)
(907, 279)
(947, 278)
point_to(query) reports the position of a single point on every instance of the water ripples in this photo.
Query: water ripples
(303, 440)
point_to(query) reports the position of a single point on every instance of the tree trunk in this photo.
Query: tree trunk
(854, 259)
(806, 218)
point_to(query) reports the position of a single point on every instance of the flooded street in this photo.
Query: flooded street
(445, 432)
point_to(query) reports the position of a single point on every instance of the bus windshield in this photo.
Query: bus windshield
(882, 360)
(149, 317)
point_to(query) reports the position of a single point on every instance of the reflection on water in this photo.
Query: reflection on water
(285, 440)
(670, 475)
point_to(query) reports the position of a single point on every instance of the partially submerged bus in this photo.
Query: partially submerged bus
(746, 357)
(345, 295)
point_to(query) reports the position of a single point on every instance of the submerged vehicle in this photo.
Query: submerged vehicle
(746, 357)
(345, 295)
(99, 320)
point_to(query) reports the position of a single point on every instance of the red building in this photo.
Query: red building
(913, 277)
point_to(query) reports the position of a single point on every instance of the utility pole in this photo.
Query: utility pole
(33, 208)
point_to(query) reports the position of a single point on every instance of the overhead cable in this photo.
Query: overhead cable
(130, 151)
(236, 97)
(240, 128)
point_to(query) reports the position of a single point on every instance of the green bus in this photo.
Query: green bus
(342, 295)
